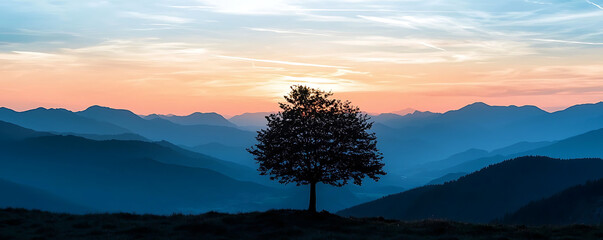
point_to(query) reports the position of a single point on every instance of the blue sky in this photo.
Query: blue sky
(242, 55)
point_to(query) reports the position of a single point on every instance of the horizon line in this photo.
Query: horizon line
(409, 110)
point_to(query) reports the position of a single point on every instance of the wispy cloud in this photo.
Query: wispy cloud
(420, 51)
(246, 7)
(558, 18)
(540, 81)
(161, 18)
(279, 84)
(281, 31)
(568, 42)
(389, 21)
(222, 47)
(280, 62)
(380, 41)
(341, 72)
(594, 4)
(432, 46)
(538, 2)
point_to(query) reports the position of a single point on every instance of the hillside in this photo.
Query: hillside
(585, 145)
(114, 149)
(477, 126)
(234, 154)
(581, 146)
(416, 146)
(158, 129)
(468, 161)
(16, 195)
(104, 137)
(50, 161)
(281, 224)
(122, 183)
(579, 204)
(128, 175)
(12, 132)
(487, 194)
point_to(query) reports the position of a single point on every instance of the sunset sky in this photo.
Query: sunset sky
(230, 57)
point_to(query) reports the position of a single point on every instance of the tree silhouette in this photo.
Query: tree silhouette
(317, 139)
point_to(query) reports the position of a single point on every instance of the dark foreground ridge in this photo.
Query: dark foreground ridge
(276, 224)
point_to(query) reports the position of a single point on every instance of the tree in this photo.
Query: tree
(316, 139)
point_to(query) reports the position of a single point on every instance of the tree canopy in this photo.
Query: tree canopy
(317, 139)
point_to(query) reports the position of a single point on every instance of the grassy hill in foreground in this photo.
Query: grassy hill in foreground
(277, 224)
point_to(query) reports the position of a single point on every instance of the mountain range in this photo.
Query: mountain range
(419, 148)
(59, 120)
(435, 136)
(145, 177)
(119, 175)
(585, 145)
(197, 118)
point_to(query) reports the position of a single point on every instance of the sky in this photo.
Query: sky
(235, 56)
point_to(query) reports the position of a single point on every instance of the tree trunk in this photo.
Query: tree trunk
(312, 207)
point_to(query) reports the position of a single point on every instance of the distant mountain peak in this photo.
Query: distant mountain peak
(46, 110)
(405, 111)
(196, 118)
(422, 113)
(481, 106)
(97, 108)
(477, 105)
(37, 109)
(580, 107)
(106, 113)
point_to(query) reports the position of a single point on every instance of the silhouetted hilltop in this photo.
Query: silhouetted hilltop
(475, 113)
(578, 204)
(161, 129)
(486, 194)
(276, 224)
(58, 120)
(197, 118)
